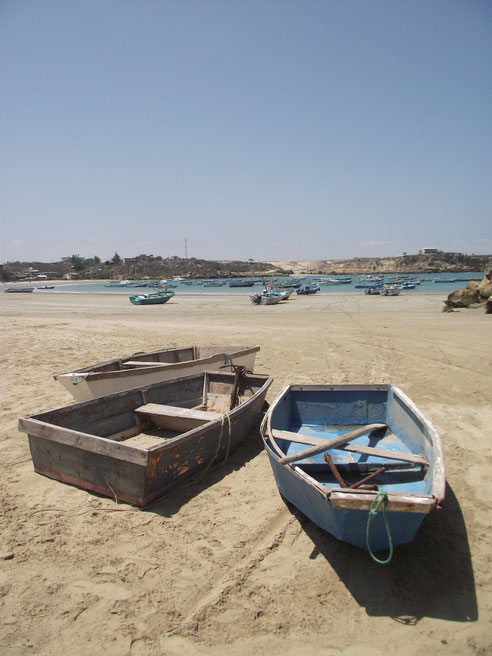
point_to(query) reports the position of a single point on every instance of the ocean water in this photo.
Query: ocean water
(428, 285)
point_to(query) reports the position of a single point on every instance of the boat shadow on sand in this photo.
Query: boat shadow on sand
(431, 577)
(179, 495)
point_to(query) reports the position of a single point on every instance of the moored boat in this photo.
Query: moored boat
(391, 290)
(19, 290)
(138, 369)
(241, 283)
(135, 445)
(326, 443)
(308, 289)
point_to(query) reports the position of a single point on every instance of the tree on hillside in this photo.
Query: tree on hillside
(77, 262)
(116, 258)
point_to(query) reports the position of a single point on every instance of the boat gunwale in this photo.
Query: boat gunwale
(338, 497)
(93, 374)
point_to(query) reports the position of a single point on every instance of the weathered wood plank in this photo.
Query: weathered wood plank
(354, 499)
(335, 443)
(386, 454)
(178, 419)
(84, 441)
(354, 448)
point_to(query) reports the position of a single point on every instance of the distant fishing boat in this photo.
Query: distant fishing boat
(241, 283)
(391, 290)
(373, 291)
(158, 298)
(19, 290)
(266, 299)
(308, 289)
(117, 283)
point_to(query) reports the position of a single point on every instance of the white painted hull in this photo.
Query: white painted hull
(92, 382)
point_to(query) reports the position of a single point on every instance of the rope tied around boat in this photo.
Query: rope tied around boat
(381, 501)
(79, 378)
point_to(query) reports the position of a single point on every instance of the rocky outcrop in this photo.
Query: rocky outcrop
(474, 295)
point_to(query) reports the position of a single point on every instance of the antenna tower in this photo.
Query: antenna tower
(186, 249)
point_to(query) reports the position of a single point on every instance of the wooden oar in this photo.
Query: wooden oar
(354, 448)
(335, 443)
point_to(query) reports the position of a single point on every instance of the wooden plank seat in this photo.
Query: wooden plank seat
(325, 445)
(174, 418)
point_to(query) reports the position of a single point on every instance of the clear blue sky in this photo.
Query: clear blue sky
(271, 129)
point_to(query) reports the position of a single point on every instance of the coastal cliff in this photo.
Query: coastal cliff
(427, 263)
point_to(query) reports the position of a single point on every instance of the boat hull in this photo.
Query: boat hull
(346, 525)
(114, 376)
(308, 483)
(134, 446)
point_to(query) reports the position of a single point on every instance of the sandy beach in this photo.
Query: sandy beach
(223, 565)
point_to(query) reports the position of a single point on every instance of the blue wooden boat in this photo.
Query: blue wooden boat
(322, 440)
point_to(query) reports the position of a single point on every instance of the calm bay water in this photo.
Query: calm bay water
(428, 285)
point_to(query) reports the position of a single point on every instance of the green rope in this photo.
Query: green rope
(81, 377)
(380, 501)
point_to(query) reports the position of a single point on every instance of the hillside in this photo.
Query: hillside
(430, 263)
(149, 267)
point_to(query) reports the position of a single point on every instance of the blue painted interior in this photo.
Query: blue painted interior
(329, 414)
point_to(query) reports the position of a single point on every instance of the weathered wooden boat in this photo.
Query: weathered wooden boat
(136, 445)
(339, 451)
(19, 290)
(156, 298)
(152, 367)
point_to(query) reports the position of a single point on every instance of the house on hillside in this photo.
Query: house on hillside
(426, 251)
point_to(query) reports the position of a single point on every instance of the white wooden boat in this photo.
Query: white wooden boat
(138, 369)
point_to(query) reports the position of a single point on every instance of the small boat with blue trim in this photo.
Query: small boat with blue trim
(361, 461)
(308, 289)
